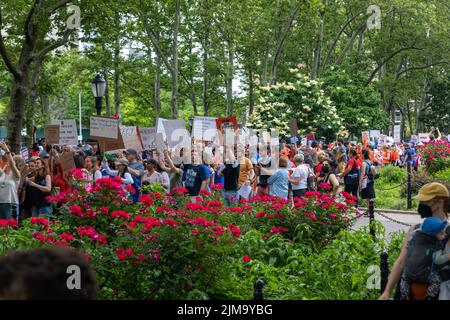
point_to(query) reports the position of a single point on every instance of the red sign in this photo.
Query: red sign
(225, 123)
(311, 136)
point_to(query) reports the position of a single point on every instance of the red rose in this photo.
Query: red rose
(246, 259)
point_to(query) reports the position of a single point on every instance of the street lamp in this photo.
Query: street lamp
(98, 86)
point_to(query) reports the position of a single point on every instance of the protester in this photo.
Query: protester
(26, 196)
(135, 167)
(442, 259)
(434, 200)
(58, 180)
(351, 174)
(40, 187)
(299, 177)
(121, 172)
(93, 168)
(330, 178)
(279, 181)
(246, 174)
(195, 176)
(420, 280)
(175, 171)
(366, 180)
(9, 186)
(151, 176)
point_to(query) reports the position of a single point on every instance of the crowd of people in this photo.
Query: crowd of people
(288, 171)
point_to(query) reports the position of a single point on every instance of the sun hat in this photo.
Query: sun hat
(433, 225)
(432, 190)
(123, 162)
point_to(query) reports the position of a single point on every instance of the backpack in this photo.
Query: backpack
(352, 178)
(419, 261)
(136, 186)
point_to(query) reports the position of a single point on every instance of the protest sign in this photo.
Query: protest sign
(424, 137)
(414, 139)
(24, 153)
(67, 162)
(52, 134)
(397, 133)
(131, 139)
(204, 128)
(293, 128)
(147, 137)
(68, 134)
(225, 123)
(374, 134)
(104, 127)
(160, 144)
(311, 136)
(108, 144)
(171, 130)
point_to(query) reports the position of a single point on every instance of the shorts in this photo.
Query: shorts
(8, 210)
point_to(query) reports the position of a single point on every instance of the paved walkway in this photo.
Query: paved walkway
(393, 222)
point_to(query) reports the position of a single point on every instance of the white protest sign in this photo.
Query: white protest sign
(104, 127)
(424, 137)
(374, 134)
(167, 128)
(159, 142)
(147, 137)
(397, 133)
(68, 134)
(204, 128)
(414, 138)
(131, 138)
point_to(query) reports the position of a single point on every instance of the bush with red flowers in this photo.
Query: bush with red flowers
(164, 246)
(436, 156)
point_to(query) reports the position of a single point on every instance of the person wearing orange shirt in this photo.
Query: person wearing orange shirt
(386, 154)
(394, 156)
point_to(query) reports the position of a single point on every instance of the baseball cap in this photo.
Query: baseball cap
(122, 161)
(432, 190)
(433, 225)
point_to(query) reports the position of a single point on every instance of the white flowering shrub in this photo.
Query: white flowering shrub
(303, 100)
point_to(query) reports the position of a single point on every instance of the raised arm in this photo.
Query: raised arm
(10, 159)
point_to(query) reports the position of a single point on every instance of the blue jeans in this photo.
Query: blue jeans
(8, 211)
(231, 198)
(47, 210)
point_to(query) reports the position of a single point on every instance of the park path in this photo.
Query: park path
(393, 222)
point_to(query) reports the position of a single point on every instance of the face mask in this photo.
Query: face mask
(326, 170)
(424, 210)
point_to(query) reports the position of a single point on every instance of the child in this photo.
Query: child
(441, 259)
(420, 280)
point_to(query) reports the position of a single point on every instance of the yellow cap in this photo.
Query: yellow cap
(432, 190)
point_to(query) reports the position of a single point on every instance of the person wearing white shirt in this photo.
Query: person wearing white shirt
(299, 177)
(122, 170)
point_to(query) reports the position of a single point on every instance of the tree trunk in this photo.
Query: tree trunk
(205, 75)
(174, 102)
(265, 66)
(229, 81)
(117, 78)
(251, 92)
(157, 86)
(107, 100)
(16, 110)
(318, 48)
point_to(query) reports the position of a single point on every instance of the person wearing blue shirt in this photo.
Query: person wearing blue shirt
(279, 181)
(409, 155)
(196, 176)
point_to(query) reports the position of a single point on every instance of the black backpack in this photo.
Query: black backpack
(419, 261)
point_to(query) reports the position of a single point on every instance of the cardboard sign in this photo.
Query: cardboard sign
(293, 128)
(104, 127)
(160, 144)
(108, 144)
(67, 162)
(67, 132)
(225, 123)
(424, 137)
(204, 128)
(397, 133)
(131, 139)
(148, 136)
(52, 134)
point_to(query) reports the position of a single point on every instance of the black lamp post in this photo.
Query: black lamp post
(98, 86)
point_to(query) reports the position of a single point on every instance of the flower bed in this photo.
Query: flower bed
(436, 156)
(165, 247)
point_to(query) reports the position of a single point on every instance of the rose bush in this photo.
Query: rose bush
(165, 247)
(436, 156)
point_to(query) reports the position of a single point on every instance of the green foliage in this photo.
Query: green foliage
(443, 175)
